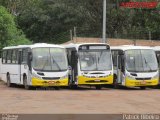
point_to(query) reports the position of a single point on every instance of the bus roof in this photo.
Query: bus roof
(156, 48)
(71, 45)
(36, 45)
(129, 47)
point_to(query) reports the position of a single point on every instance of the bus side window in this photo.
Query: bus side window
(24, 56)
(4, 56)
(14, 56)
(9, 53)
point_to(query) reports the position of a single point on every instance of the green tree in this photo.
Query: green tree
(9, 34)
(51, 20)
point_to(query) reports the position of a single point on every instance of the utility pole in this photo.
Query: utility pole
(75, 35)
(71, 36)
(104, 22)
(150, 38)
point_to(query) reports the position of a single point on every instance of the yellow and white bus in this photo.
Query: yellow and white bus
(91, 64)
(39, 64)
(135, 66)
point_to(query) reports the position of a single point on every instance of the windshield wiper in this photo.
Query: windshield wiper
(150, 69)
(44, 65)
(56, 63)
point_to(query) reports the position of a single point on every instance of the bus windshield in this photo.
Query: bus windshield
(141, 61)
(95, 60)
(49, 59)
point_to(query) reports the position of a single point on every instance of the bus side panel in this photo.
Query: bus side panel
(24, 72)
(13, 71)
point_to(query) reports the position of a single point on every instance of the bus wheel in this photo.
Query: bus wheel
(26, 86)
(98, 87)
(57, 88)
(142, 87)
(73, 86)
(115, 84)
(9, 84)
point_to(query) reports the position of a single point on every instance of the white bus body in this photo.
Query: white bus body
(91, 64)
(157, 51)
(39, 64)
(135, 66)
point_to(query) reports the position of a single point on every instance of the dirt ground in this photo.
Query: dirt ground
(84, 100)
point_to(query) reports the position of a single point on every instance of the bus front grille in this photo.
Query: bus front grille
(50, 78)
(148, 78)
(95, 81)
(95, 76)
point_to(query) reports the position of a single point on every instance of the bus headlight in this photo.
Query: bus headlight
(36, 76)
(64, 77)
(156, 76)
(130, 77)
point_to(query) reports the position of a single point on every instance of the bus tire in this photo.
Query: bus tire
(142, 87)
(115, 84)
(57, 88)
(9, 84)
(26, 86)
(98, 87)
(73, 86)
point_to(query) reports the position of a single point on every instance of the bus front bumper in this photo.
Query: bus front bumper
(41, 82)
(82, 80)
(137, 83)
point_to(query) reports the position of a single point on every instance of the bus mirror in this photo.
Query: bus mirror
(30, 56)
(69, 70)
(29, 60)
(19, 57)
(74, 54)
(122, 63)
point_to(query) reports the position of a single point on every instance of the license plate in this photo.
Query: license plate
(97, 80)
(51, 82)
(143, 82)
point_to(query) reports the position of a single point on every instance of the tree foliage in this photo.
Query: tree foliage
(51, 20)
(9, 34)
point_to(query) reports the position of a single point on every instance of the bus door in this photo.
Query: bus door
(74, 67)
(120, 68)
(24, 69)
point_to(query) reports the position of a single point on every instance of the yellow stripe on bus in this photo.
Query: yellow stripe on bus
(95, 81)
(41, 82)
